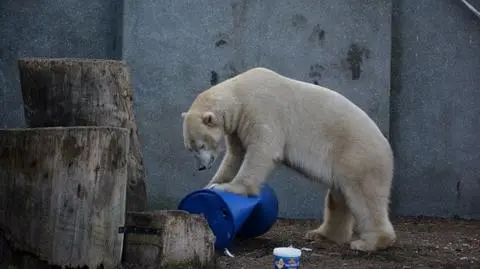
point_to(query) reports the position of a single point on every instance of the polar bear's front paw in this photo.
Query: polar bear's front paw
(210, 185)
(238, 189)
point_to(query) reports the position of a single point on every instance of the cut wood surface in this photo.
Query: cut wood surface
(85, 92)
(169, 239)
(62, 193)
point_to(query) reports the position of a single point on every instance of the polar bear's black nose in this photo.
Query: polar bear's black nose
(201, 168)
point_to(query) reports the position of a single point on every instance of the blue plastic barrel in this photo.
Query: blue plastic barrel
(227, 213)
(263, 216)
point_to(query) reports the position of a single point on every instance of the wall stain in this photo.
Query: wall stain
(213, 78)
(222, 40)
(299, 21)
(459, 189)
(220, 43)
(230, 70)
(315, 73)
(355, 56)
(317, 36)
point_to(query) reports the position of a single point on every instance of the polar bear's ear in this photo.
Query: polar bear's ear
(184, 114)
(209, 119)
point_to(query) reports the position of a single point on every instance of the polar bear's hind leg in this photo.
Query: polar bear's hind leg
(338, 220)
(368, 199)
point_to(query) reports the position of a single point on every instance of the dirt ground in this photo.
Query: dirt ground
(421, 243)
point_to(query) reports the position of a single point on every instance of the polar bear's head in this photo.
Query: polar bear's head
(202, 135)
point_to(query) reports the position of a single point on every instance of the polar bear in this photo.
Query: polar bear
(267, 119)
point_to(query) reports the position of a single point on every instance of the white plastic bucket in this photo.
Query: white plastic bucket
(286, 257)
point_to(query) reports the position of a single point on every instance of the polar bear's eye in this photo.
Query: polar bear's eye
(202, 146)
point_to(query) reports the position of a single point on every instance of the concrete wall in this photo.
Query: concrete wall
(176, 49)
(435, 119)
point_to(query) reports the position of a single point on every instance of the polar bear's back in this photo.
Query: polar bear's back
(296, 104)
(317, 126)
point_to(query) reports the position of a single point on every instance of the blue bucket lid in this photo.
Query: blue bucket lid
(217, 207)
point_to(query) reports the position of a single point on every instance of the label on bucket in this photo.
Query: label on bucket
(286, 262)
(286, 258)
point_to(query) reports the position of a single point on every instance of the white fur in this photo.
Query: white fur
(268, 119)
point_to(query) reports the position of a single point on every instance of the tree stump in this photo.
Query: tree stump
(85, 92)
(62, 194)
(168, 239)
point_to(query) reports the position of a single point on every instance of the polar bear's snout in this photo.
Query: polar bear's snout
(205, 159)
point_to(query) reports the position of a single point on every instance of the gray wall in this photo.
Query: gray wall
(176, 49)
(435, 119)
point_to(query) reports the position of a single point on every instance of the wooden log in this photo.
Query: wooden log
(62, 194)
(85, 92)
(169, 239)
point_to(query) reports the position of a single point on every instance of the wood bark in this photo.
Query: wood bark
(85, 92)
(169, 239)
(62, 195)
